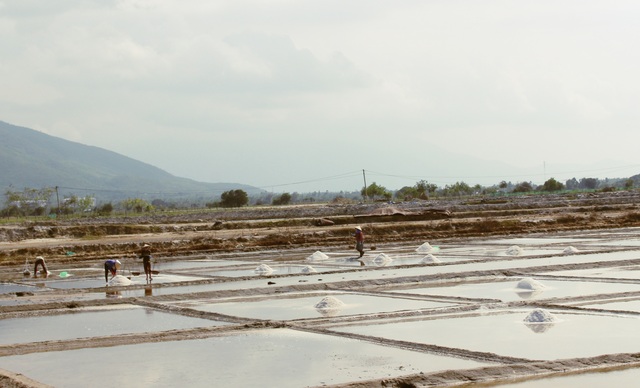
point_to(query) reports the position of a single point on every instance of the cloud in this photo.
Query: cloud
(320, 87)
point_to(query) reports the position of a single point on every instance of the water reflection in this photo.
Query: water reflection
(539, 328)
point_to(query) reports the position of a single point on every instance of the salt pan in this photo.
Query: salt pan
(263, 269)
(530, 284)
(317, 256)
(514, 250)
(430, 259)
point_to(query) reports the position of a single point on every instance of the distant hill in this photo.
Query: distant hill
(32, 159)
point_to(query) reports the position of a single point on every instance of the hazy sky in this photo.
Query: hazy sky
(272, 93)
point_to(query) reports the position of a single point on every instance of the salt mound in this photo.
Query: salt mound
(263, 269)
(530, 284)
(540, 316)
(119, 280)
(382, 259)
(308, 269)
(570, 250)
(317, 256)
(514, 250)
(424, 248)
(430, 259)
(329, 302)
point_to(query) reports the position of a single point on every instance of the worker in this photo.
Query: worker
(112, 266)
(40, 263)
(145, 255)
(359, 235)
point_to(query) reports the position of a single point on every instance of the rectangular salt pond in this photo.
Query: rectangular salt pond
(506, 334)
(10, 288)
(565, 241)
(631, 272)
(94, 323)
(267, 358)
(507, 291)
(98, 282)
(277, 270)
(607, 378)
(619, 305)
(304, 307)
(191, 264)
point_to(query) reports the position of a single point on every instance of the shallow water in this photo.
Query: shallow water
(304, 307)
(94, 323)
(506, 334)
(275, 358)
(610, 378)
(284, 357)
(506, 290)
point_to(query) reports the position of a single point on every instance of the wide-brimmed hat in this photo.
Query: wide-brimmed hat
(118, 264)
(146, 246)
(358, 228)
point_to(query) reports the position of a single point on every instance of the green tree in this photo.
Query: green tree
(106, 209)
(282, 199)
(374, 190)
(523, 187)
(406, 193)
(136, 205)
(552, 185)
(234, 198)
(589, 183)
(29, 201)
(424, 189)
(628, 184)
(457, 189)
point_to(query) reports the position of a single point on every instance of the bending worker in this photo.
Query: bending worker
(112, 266)
(40, 263)
(145, 255)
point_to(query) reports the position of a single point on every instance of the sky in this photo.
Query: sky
(301, 96)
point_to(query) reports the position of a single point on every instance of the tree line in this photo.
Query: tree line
(40, 202)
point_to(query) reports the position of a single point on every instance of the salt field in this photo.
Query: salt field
(486, 308)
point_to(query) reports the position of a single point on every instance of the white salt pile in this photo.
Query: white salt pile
(119, 280)
(427, 248)
(430, 259)
(424, 248)
(540, 316)
(317, 256)
(570, 250)
(514, 250)
(308, 269)
(529, 284)
(328, 303)
(382, 259)
(263, 269)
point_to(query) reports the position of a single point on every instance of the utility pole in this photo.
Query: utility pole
(58, 200)
(365, 184)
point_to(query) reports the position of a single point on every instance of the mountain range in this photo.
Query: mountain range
(34, 160)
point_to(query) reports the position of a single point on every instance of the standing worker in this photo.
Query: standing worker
(145, 255)
(112, 266)
(359, 240)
